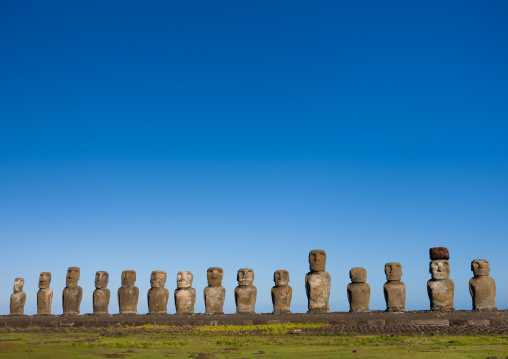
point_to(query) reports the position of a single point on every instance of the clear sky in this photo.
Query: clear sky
(181, 135)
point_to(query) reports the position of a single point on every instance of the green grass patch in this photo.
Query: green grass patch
(270, 341)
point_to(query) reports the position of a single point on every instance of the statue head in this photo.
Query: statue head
(245, 276)
(393, 271)
(18, 284)
(215, 275)
(184, 279)
(317, 260)
(358, 275)
(480, 267)
(44, 280)
(128, 278)
(101, 279)
(158, 279)
(281, 277)
(72, 277)
(440, 269)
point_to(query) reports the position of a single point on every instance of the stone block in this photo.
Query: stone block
(437, 322)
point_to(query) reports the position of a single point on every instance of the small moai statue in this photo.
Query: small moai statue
(158, 296)
(245, 292)
(45, 294)
(482, 287)
(185, 295)
(18, 298)
(215, 293)
(394, 290)
(72, 293)
(128, 293)
(358, 291)
(440, 288)
(282, 293)
(101, 294)
(318, 283)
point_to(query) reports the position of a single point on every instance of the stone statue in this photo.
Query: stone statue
(440, 287)
(18, 298)
(72, 293)
(158, 296)
(215, 293)
(101, 294)
(482, 287)
(318, 283)
(128, 294)
(44, 295)
(281, 293)
(394, 290)
(245, 292)
(185, 295)
(358, 291)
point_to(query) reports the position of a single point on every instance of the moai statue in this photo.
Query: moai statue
(128, 294)
(281, 293)
(44, 295)
(215, 293)
(185, 295)
(101, 294)
(72, 293)
(158, 296)
(245, 292)
(482, 287)
(18, 298)
(394, 290)
(358, 291)
(318, 283)
(440, 287)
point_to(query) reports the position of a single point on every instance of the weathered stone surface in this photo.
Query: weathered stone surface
(318, 283)
(158, 296)
(45, 294)
(101, 294)
(432, 321)
(317, 287)
(215, 293)
(185, 295)
(394, 290)
(18, 298)
(439, 253)
(358, 292)
(481, 286)
(245, 293)
(440, 288)
(282, 293)
(72, 293)
(128, 294)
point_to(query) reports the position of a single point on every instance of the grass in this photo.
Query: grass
(253, 341)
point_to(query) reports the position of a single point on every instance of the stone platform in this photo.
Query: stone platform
(375, 322)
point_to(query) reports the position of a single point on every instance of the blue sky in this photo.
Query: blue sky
(185, 135)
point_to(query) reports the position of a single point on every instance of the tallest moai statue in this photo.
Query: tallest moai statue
(318, 283)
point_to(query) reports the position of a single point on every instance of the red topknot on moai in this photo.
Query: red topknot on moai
(439, 253)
